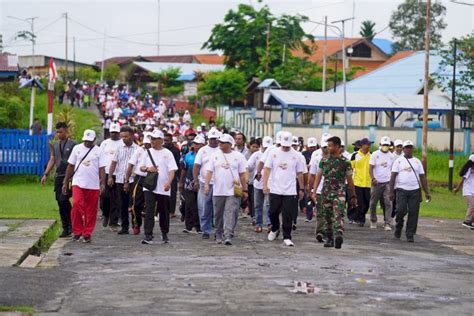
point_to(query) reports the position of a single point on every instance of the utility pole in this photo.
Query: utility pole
(325, 52)
(65, 60)
(33, 41)
(283, 54)
(103, 59)
(158, 36)
(453, 113)
(424, 149)
(74, 57)
(267, 53)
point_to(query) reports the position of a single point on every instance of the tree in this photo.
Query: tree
(223, 87)
(242, 37)
(88, 74)
(367, 30)
(408, 24)
(111, 72)
(464, 70)
(168, 83)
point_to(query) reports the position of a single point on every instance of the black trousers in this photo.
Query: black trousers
(108, 203)
(122, 202)
(137, 201)
(250, 201)
(64, 204)
(408, 202)
(173, 196)
(284, 204)
(191, 215)
(363, 202)
(160, 204)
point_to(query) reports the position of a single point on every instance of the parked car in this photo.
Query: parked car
(415, 122)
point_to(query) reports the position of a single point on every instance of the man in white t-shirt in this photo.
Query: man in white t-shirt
(205, 204)
(285, 166)
(380, 169)
(86, 166)
(109, 200)
(228, 168)
(161, 160)
(407, 175)
(261, 205)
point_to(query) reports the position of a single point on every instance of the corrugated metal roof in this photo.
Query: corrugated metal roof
(357, 101)
(269, 83)
(187, 70)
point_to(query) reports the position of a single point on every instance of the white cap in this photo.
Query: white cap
(312, 142)
(343, 144)
(89, 135)
(324, 138)
(157, 134)
(278, 137)
(324, 143)
(267, 141)
(295, 140)
(199, 129)
(226, 138)
(146, 138)
(203, 124)
(114, 127)
(286, 139)
(471, 158)
(213, 133)
(175, 139)
(398, 142)
(385, 140)
(199, 140)
(407, 143)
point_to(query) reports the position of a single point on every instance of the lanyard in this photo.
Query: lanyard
(61, 150)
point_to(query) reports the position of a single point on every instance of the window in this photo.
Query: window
(361, 50)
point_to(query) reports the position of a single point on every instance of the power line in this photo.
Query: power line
(48, 25)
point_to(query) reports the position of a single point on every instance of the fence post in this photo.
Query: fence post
(418, 137)
(467, 141)
(372, 133)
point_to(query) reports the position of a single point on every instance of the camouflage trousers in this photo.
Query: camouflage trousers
(320, 221)
(333, 211)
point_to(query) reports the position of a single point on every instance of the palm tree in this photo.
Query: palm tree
(367, 30)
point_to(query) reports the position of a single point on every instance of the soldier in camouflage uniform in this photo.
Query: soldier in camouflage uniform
(336, 170)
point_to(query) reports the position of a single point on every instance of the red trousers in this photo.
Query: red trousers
(84, 211)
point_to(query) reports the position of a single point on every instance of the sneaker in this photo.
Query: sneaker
(467, 225)
(187, 231)
(258, 229)
(361, 224)
(319, 238)
(288, 242)
(148, 240)
(205, 236)
(105, 221)
(329, 243)
(294, 227)
(123, 232)
(351, 222)
(309, 220)
(156, 218)
(136, 230)
(410, 239)
(164, 238)
(273, 235)
(65, 234)
(339, 241)
(387, 227)
(373, 225)
(86, 240)
(228, 242)
(76, 237)
(398, 233)
(114, 228)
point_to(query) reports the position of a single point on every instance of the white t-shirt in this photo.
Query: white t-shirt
(117, 112)
(468, 185)
(87, 173)
(382, 163)
(267, 152)
(165, 162)
(406, 178)
(108, 149)
(252, 166)
(226, 170)
(137, 160)
(313, 170)
(303, 161)
(202, 159)
(284, 168)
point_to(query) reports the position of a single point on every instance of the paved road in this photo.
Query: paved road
(373, 273)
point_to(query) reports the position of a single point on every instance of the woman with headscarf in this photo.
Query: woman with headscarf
(467, 182)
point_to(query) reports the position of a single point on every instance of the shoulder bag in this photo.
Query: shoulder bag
(151, 178)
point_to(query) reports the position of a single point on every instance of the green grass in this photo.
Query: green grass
(22, 309)
(49, 237)
(438, 165)
(444, 204)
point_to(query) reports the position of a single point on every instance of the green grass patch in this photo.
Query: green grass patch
(444, 204)
(22, 309)
(49, 237)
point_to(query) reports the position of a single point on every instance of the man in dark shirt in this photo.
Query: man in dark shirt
(168, 144)
(62, 148)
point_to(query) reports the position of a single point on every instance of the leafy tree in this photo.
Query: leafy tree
(242, 37)
(367, 30)
(464, 70)
(88, 74)
(408, 24)
(223, 87)
(111, 72)
(11, 111)
(168, 83)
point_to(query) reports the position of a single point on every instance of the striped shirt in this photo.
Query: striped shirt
(122, 156)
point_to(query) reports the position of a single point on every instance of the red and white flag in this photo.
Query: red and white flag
(52, 79)
(53, 75)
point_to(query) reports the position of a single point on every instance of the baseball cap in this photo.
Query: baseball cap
(324, 143)
(312, 142)
(146, 138)
(343, 144)
(199, 140)
(471, 158)
(213, 133)
(286, 139)
(226, 138)
(114, 128)
(407, 143)
(267, 142)
(295, 140)
(203, 124)
(385, 140)
(89, 135)
(365, 141)
(398, 142)
(356, 143)
(325, 137)
(278, 137)
(157, 134)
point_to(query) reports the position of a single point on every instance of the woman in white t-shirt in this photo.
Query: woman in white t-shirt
(467, 184)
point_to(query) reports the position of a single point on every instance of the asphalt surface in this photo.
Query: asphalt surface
(372, 274)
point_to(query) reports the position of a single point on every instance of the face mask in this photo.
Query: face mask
(384, 148)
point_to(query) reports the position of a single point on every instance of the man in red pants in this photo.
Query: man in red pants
(87, 170)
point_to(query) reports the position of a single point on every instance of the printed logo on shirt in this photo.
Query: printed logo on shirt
(283, 165)
(86, 163)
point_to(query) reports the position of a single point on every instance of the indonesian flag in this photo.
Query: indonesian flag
(53, 76)
(52, 79)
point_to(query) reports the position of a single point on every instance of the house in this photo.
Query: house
(41, 63)
(8, 67)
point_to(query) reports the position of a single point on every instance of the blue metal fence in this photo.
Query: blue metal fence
(21, 153)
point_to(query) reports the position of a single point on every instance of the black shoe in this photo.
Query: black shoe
(65, 234)
(468, 225)
(361, 224)
(319, 238)
(123, 232)
(329, 243)
(294, 226)
(76, 238)
(164, 238)
(86, 240)
(105, 221)
(398, 233)
(228, 242)
(148, 240)
(410, 239)
(205, 236)
(339, 241)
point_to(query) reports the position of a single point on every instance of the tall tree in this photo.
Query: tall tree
(367, 30)
(223, 87)
(254, 40)
(168, 83)
(408, 21)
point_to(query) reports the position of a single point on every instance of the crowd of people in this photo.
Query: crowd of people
(154, 164)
